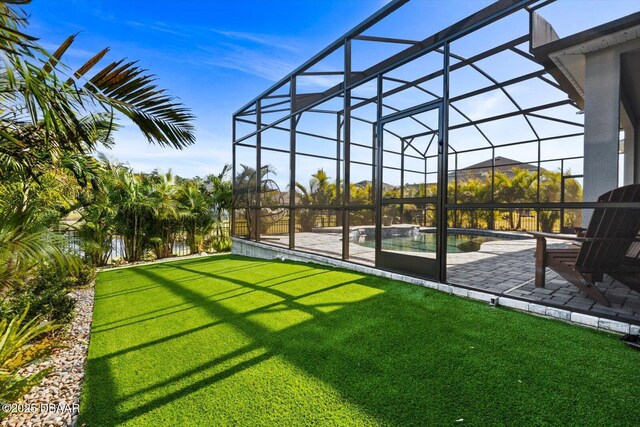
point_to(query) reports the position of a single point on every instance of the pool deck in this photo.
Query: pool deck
(502, 267)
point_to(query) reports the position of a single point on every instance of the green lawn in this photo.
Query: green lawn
(228, 340)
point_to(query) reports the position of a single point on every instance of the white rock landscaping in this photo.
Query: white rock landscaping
(57, 400)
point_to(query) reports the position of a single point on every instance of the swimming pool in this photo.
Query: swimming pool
(426, 242)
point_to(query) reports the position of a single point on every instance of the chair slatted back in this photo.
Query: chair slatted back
(611, 223)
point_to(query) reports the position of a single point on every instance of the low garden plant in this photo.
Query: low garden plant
(46, 292)
(22, 342)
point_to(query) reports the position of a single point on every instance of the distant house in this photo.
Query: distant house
(363, 184)
(502, 164)
(478, 170)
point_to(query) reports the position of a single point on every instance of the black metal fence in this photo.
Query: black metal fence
(114, 250)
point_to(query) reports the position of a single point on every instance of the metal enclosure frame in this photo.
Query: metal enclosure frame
(282, 107)
(407, 263)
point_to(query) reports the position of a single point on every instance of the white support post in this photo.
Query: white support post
(602, 125)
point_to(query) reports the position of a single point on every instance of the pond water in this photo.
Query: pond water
(426, 242)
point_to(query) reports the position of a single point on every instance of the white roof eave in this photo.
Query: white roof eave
(571, 60)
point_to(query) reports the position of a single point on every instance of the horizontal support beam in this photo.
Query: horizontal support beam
(410, 200)
(322, 73)
(385, 39)
(463, 206)
(545, 206)
(522, 112)
(527, 141)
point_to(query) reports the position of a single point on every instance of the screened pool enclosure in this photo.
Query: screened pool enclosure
(429, 151)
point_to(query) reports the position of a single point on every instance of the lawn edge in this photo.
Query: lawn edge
(259, 250)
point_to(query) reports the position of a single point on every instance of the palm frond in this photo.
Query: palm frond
(12, 40)
(127, 88)
(80, 72)
(57, 55)
(36, 89)
(25, 243)
(18, 349)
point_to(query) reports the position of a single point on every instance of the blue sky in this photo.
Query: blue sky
(215, 56)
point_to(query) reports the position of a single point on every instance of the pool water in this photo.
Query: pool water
(426, 242)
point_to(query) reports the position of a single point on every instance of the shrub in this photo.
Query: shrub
(46, 294)
(84, 276)
(221, 244)
(21, 343)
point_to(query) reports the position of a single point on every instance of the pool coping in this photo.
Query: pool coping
(508, 235)
(264, 251)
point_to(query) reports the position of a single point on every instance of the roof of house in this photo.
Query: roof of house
(501, 164)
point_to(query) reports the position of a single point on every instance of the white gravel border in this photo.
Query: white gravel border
(56, 401)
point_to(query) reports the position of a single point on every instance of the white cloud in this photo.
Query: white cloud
(487, 105)
(207, 156)
(249, 61)
(277, 42)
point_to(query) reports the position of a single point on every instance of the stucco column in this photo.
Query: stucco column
(602, 124)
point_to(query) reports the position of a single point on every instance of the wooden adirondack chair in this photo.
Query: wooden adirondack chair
(610, 245)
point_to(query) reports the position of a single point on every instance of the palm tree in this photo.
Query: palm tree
(474, 190)
(25, 245)
(152, 212)
(53, 117)
(219, 188)
(165, 215)
(218, 192)
(196, 214)
(360, 195)
(131, 197)
(96, 226)
(320, 193)
(550, 191)
(519, 187)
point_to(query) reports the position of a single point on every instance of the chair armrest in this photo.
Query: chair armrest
(542, 235)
